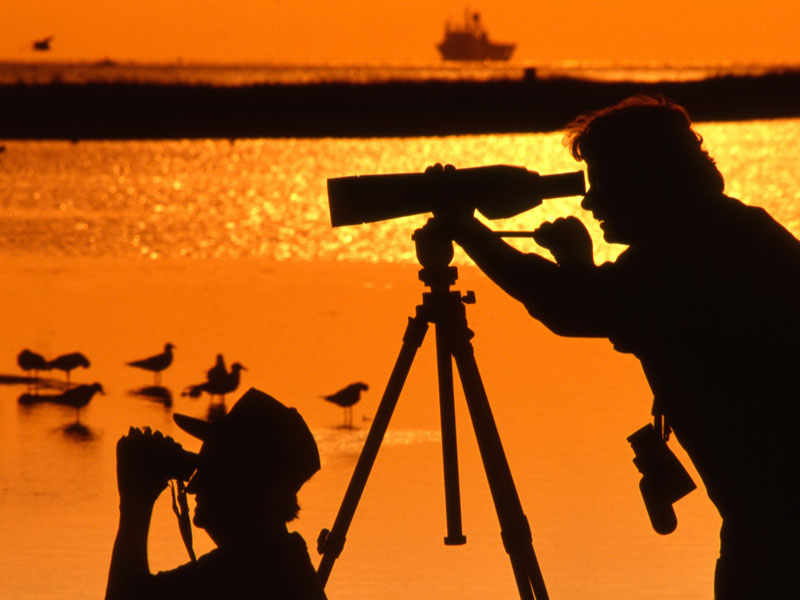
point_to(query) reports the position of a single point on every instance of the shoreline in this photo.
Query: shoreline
(383, 109)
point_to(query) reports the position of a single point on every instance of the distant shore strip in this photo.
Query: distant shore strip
(386, 109)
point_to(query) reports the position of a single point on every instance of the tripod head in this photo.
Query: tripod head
(434, 253)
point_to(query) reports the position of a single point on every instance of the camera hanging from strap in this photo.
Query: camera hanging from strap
(660, 423)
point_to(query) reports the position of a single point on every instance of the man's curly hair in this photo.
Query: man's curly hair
(655, 135)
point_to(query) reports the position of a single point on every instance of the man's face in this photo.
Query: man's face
(214, 490)
(227, 498)
(617, 201)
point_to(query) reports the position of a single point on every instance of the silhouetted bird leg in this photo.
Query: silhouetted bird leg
(67, 362)
(346, 398)
(31, 361)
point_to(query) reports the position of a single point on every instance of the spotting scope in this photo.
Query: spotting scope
(496, 191)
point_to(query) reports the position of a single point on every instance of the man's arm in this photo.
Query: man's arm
(140, 480)
(129, 567)
(570, 298)
(514, 271)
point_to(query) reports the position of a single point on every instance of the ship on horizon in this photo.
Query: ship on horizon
(471, 42)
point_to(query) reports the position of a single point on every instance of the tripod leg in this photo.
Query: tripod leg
(515, 530)
(452, 493)
(331, 543)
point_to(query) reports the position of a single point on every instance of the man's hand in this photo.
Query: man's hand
(142, 474)
(143, 459)
(567, 240)
(448, 207)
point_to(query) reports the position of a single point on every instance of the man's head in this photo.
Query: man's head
(643, 160)
(251, 465)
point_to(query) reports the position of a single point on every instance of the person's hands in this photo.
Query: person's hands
(145, 460)
(448, 206)
(439, 169)
(451, 212)
(567, 240)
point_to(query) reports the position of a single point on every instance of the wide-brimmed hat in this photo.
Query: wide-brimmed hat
(259, 435)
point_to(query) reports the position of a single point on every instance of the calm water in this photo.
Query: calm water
(112, 247)
(247, 74)
(268, 198)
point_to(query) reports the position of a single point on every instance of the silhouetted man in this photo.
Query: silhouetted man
(706, 296)
(250, 467)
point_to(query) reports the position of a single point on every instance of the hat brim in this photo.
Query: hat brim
(194, 427)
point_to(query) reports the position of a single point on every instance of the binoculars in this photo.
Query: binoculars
(180, 464)
(664, 480)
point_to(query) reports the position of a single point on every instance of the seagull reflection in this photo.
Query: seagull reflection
(77, 398)
(155, 393)
(216, 410)
(78, 431)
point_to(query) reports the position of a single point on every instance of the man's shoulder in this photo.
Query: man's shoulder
(738, 211)
(281, 569)
(626, 260)
(756, 226)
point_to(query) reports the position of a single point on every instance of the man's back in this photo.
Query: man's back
(713, 319)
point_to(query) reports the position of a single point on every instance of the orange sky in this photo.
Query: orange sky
(307, 31)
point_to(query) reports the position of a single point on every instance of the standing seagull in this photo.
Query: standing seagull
(30, 361)
(218, 371)
(156, 363)
(67, 362)
(221, 385)
(346, 398)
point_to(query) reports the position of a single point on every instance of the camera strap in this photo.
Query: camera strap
(660, 423)
(180, 506)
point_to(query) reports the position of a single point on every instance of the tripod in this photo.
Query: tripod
(445, 309)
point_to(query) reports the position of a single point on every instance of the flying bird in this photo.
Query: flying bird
(68, 362)
(346, 398)
(42, 45)
(219, 386)
(156, 363)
